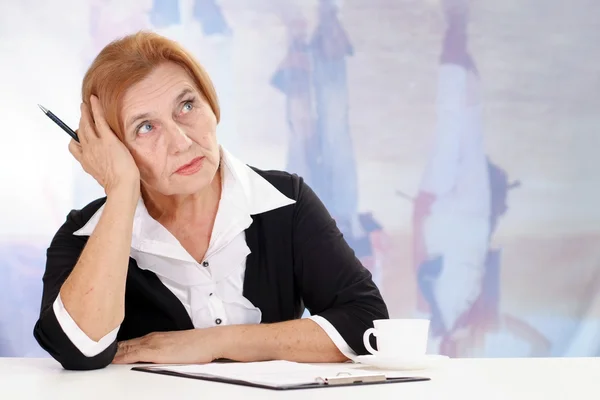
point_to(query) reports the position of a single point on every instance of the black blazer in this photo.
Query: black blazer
(298, 259)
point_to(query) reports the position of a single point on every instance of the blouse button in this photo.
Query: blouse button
(205, 264)
(218, 321)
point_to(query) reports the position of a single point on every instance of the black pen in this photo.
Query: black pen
(58, 122)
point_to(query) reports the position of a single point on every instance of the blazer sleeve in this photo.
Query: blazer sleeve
(333, 283)
(61, 257)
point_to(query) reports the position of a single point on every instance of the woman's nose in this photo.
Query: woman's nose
(180, 141)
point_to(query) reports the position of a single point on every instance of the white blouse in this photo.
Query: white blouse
(210, 291)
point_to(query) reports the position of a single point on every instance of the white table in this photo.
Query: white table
(480, 379)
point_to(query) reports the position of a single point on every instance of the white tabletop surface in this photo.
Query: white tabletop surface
(481, 379)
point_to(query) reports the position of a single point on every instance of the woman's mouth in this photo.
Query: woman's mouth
(192, 167)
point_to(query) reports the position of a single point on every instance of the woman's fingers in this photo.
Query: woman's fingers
(102, 128)
(86, 131)
(75, 149)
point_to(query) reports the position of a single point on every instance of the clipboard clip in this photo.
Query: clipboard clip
(345, 378)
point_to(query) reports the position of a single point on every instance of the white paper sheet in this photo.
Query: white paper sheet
(271, 373)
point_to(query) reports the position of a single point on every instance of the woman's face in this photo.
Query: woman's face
(170, 130)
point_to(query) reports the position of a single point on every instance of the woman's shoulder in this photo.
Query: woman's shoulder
(287, 183)
(294, 187)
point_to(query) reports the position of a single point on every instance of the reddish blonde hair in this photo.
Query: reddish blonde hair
(127, 61)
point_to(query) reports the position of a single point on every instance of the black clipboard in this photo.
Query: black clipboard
(341, 380)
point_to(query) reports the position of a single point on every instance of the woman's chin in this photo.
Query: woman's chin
(186, 185)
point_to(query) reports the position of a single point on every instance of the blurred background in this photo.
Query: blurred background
(453, 141)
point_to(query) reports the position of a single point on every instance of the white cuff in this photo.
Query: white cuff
(87, 346)
(335, 336)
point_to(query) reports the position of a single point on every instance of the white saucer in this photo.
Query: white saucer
(403, 363)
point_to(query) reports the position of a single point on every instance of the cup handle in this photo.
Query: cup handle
(367, 342)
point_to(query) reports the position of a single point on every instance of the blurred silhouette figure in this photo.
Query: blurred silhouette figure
(451, 217)
(313, 77)
(293, 78)
(336, 180)
(463, 195)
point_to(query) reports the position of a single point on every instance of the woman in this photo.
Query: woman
(192, 256)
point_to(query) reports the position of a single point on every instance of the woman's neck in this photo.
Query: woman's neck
(191, 208)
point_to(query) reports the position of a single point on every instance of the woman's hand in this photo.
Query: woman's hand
(194, 346)
(101, 153)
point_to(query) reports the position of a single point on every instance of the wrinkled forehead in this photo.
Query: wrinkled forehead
(157, 90)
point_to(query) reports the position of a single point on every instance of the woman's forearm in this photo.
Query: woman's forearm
(94, 292)
(299, 340)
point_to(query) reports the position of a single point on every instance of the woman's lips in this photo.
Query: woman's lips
(192, 167)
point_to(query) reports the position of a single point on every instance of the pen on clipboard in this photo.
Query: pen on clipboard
(58, 122)
(346, 379)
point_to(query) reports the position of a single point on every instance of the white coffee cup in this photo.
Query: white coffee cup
(398, 337)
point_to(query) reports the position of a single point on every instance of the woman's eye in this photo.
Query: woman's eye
(187, 107)
(145, 128)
